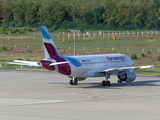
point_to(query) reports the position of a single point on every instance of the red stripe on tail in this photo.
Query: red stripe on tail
(51, 50)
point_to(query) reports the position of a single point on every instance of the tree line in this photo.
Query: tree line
(88, 14)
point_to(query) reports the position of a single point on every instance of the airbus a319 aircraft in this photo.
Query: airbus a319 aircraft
(79, 68)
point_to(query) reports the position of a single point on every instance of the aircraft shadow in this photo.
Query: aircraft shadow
(113, 85)
(118, 85)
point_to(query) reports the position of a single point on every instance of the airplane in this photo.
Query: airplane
(78, 68)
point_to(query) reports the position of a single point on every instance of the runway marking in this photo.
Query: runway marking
(30, 78)
(9, 102)
(133, 92)
(35, 93)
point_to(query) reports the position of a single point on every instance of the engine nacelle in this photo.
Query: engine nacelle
(80, 78)
(127, 76)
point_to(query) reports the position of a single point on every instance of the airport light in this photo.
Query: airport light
(74, 43)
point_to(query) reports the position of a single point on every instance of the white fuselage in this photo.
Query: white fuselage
(92, 63)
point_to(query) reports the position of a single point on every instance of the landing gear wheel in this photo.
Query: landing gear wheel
(108, 83)
(103, 83)
(119, 81)
(71, 82)
(75, 82)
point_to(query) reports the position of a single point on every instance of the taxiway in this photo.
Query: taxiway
(46, 95)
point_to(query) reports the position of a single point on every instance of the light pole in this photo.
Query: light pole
(74, 46)
(74, 40)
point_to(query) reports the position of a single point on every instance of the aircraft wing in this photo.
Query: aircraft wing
(126, 68)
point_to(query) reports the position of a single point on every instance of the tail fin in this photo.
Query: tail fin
(50, 49)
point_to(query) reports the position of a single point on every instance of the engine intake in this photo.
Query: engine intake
(127, 76)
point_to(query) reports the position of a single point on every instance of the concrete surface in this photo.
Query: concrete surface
(45, 95)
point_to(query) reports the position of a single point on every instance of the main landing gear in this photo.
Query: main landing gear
(106, 82)
(119, 81)
(73, 81)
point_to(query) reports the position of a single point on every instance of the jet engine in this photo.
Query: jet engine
(127, 76)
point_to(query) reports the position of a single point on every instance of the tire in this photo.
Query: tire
(71, 82)
(119, 81)
(75, 82)
(108, 83)
(103, 83)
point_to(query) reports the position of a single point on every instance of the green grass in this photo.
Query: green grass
(146, 50)
(149, 71)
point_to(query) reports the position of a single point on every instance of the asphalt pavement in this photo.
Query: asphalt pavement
(46, 95)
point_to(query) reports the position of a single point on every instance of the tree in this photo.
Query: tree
(88, 17)
(31, 14)
(52, 12)
(97, 13)
(18, 10)
(6, 12)
(81, 12)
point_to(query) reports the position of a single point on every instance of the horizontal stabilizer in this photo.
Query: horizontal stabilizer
(57, 63)
(28, 63)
